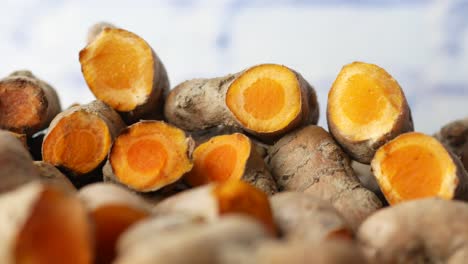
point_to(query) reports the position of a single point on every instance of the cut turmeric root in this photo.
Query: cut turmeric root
(27, 104)
(230, 157)
(80, 137)
(43, 225)
(149, 155)
(415, 165)
(266, 100)
(123, 71)
(215, 200)
(366, 108)
(113, 209)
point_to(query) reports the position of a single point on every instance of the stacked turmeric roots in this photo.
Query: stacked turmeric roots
(224, 170)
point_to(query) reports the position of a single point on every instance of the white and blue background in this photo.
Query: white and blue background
(422, 43)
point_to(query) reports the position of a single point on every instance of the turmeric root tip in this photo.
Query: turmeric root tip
(150, 155)
(269, 98)
(415, 165)
(122, 70)
(366, 108)
(62, 221)
(230, 157)
(27, 104)
(80, 137)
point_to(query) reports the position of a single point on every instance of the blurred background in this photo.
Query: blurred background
(422, 43)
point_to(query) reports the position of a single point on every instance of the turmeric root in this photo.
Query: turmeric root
(16, 165)
(113, 209)
(308, 160)
(455, 136)
(414, 165)
(51, 176)
(328, 252)
(80, 137)
(266, 100)
(421, 231)
(215, 200)
(123, 71)
(366, 108)
(43, 225)
(149, 155)
(230, 157)
(27, 104)
(195, 243)
(303, 217)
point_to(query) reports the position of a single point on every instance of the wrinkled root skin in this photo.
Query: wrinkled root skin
(309, 160)
(455, 136)
(420, 231)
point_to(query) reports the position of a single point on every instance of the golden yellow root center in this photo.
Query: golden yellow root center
(220, 163)
(413, 171)
(363, 101)
(147, 155)
(264, 99)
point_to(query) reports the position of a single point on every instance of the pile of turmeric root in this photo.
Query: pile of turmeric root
(224, 170)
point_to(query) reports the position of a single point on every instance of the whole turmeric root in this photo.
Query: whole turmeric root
(27, 104)
(420, 231)
(149, 155)
(230, 157)
(366, 108)
(414, 165)
(123, 71)
(80, 137)
(455, 136)
(309, 160)
(266, 100)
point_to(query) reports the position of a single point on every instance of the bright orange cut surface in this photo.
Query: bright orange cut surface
(220, 159)
(265, 98)
(57, 231)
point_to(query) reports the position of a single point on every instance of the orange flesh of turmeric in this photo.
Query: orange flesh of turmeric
(264, 99)
(220, 159)
(363, 101)
(110, 222)
(79, 142)
(414, 171)
(57, 231)
(149, 155)
(240, 197)
(19, 106)
(118, 67)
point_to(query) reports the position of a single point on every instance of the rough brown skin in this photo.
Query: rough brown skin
(16, 165)
(113, 209)
(34, 212)
(305, 218)
(214, 201)
(152, 107)
(328, 252)
(255, 173)
(51, 176)
(201, 103)
(200, 243)
(364, 150)
(420, 231)
(22, 138)
(455, 136)
(309, 160)
(27, 104)
(367, 179)
(95, 109)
